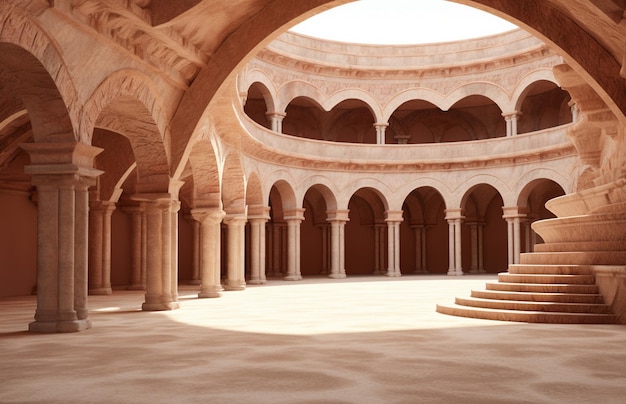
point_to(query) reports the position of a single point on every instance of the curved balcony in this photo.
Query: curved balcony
(535, 146)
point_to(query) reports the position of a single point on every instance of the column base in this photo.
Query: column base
(257, 282)
(337, 276)
(209, 295)
(293, 278)
(59, 326)
(454, 272)
(100, 291)
(394, 274)
(160, 306)
(138, 286)
(235, 286)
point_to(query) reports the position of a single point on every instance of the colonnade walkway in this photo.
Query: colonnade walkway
(353, 340)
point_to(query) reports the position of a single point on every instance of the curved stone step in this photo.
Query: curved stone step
(546, 278)
(533, 306)
(539, 297)
(526, 316)
(581, 246)
(574, 258)
(551, 269)
(542, 288)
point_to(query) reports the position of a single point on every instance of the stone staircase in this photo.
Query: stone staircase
(545, 288)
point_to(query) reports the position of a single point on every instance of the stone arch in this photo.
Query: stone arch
(233, 184)
(565, 182)
(356, 94)
(258, 76)
(254, 191)
(484, 225)
(259, 103)
(325, 187)
(295, 89)
(423, 94)
(495, 93)
(522, 86)
(29, 54)
(205, 175)
(127, 103)
(287, 195)
(377, 187)
(586, 54)
(423, 232)
(484, 179)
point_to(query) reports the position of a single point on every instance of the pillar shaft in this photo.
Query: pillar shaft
(235, 255)
(161, 246)
(100, 247)
(258, 217)
(337, 220)
(62, 172)
(393, 219)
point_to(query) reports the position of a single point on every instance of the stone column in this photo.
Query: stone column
(393, 219)
(210, 220)
(473, 247)
(481, 250)
(326, 248)
(100, 247)
(137, 269)
(236, 278)
(196, 247)
(276, 120)
(379, 249)
(62, 173)
(513, 218)
(420, 248)
(511, 122)
(381, 128)
(293, 218)
(258, 216)
(455, 219)
(337, 220)
(161, 259)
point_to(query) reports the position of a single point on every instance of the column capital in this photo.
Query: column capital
(452, 214)
(258, 212)
(212, 215)
(294, 214)
(511, 212)
(381, 125)
(276, 114)
(235, 219)
(393, 216)
(511, 115)
(338, 215)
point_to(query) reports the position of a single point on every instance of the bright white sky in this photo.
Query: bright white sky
(402, 22)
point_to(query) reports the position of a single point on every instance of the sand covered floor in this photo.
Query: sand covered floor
(358, 340)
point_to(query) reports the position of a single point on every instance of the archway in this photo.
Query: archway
(366, 234)
(424, 233)
(484, 231)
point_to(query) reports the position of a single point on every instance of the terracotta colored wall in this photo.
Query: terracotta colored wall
(359, 246)
(18, 244)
